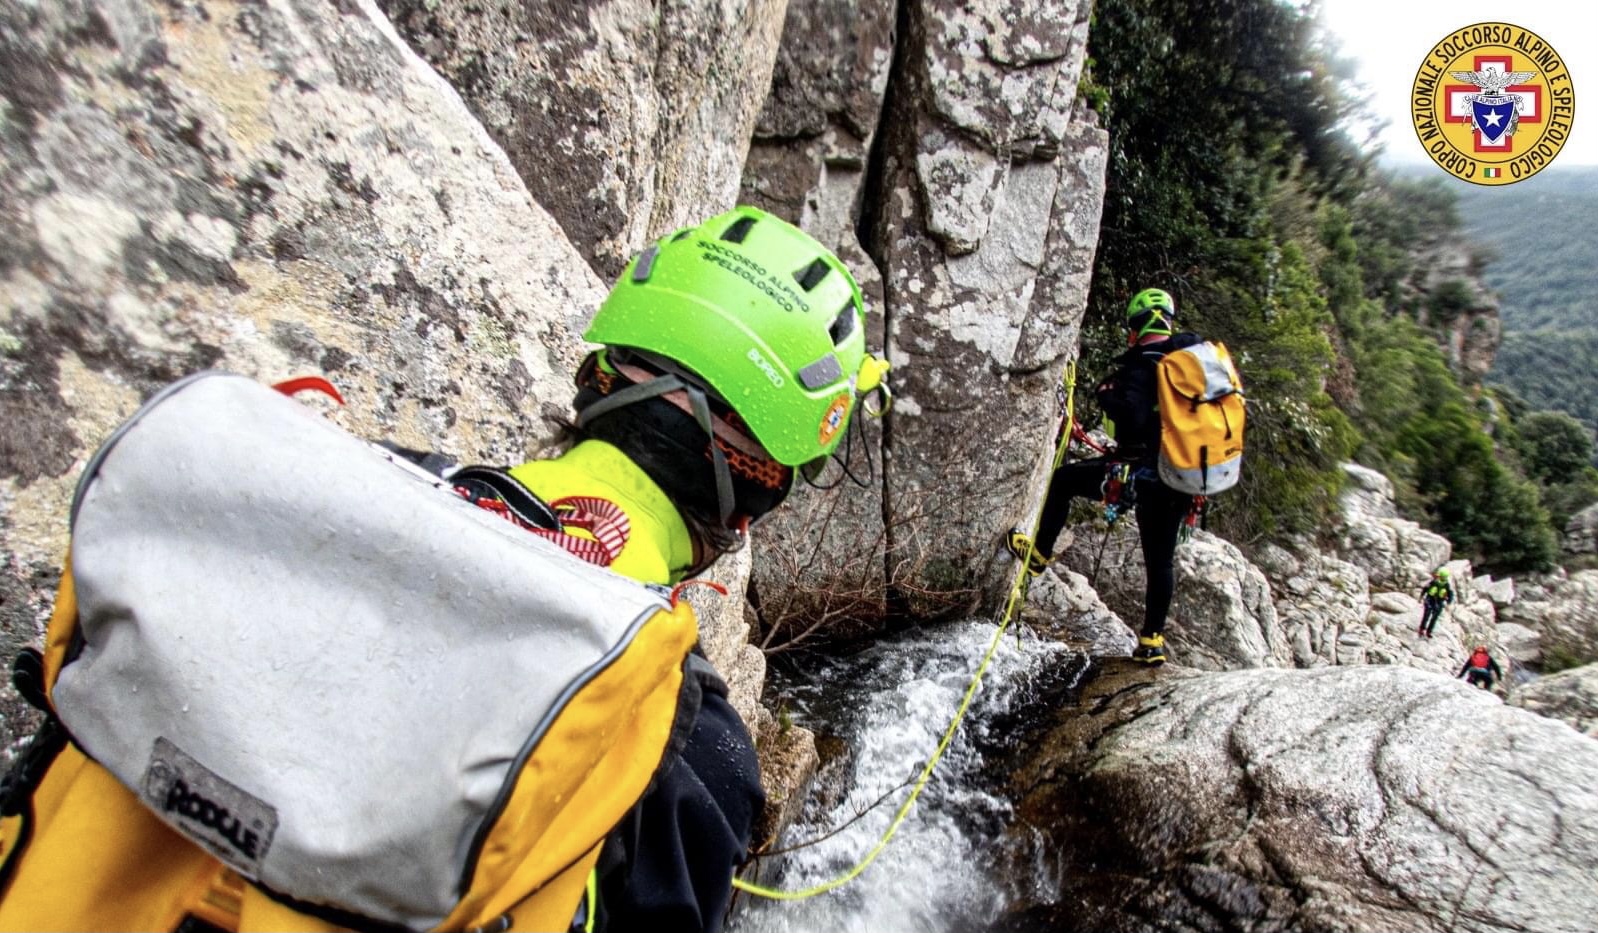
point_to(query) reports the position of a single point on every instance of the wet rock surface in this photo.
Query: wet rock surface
(1347, 799)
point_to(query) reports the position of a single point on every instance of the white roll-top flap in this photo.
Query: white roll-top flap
(318, 662)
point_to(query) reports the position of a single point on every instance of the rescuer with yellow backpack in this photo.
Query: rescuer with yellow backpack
(1175, 405)
(298, 681)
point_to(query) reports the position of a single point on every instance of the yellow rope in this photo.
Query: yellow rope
(1017, 595)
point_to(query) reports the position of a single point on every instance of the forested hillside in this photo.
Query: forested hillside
(1544, 266)
(1544, 246)
(1234, 184)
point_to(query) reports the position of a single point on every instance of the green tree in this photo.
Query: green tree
(1554, 446)
(1233, 185)
(1224, 136)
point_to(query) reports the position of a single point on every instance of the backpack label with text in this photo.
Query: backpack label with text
(1201, 419)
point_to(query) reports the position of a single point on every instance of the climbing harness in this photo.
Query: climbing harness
(1118, 492)
(1119, 496)
(1018, 589)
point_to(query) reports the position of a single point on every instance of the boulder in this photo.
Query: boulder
(1061, 606)
(1521, 643)
(1501, 592)
(788, 764)
(1222, 616)
(1564, 609)
(1354, 799)
(1569, 696)
(1368, 495)
(1353, 646)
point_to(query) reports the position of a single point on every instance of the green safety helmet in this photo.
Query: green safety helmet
(761, 315)
(1441, 573)
(1150, 312)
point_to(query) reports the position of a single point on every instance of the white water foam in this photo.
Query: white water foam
(892, 705)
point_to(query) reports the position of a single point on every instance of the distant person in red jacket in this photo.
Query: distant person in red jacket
(1480, 669)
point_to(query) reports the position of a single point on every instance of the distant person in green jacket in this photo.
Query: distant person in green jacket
(1437, 595)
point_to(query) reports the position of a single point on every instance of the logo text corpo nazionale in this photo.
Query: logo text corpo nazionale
(1492, 103)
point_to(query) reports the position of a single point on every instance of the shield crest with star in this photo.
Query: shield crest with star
(1492, 115)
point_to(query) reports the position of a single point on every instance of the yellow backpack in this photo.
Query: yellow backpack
(1201, 419)
(296, 683)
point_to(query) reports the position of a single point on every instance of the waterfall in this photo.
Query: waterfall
(891, 704)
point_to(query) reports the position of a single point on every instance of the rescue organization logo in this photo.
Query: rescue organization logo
(1492, 103)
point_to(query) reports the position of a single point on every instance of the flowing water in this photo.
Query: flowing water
(944, 870)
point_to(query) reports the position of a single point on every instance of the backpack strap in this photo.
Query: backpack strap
(483, 482)
(16, 790)
(483, 485)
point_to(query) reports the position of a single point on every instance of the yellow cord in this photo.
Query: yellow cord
(1017, 595)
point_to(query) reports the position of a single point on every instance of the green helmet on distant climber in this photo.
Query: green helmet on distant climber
(1150, 311)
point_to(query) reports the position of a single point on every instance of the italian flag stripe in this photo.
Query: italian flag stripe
(1492, 172)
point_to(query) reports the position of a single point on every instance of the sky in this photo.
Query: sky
(1389, 38)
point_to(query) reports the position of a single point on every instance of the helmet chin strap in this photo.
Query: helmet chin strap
(699, 408)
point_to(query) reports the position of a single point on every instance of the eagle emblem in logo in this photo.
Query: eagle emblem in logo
(1494, 113)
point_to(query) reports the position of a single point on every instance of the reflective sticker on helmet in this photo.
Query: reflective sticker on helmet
(822, 373)
(833, 419)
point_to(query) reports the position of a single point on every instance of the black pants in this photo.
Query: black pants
(1160, 510)
(1429, 617)
(669, 865)
(1479, 677)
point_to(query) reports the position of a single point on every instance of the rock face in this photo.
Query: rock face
(820, 560)
(1338, 799)
(1318, 599)
(1581, 532)
(275, 188)
(991, 187)
(626, 119)
(1569, 696)
(947, 149)
(1396, 554)
(1454, 301)
(1564, 610)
